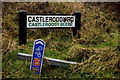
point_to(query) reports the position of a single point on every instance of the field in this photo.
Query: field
(95, 46)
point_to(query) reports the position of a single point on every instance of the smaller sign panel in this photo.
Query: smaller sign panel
(50, 21)
(37, 56)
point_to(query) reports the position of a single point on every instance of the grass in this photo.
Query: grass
(95, 50)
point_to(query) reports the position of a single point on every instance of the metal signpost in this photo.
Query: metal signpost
(48, 61)
(37, 56)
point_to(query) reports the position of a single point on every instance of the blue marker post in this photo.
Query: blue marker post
(37, 56)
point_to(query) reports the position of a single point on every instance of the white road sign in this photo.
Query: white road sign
(50, 21)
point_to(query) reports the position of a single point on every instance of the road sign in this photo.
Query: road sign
(47, 21)
(37, 56)
(50, 21)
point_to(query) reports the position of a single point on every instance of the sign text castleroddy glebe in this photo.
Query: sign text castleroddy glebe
(39, 21)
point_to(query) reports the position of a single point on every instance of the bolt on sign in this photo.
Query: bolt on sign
(47, 21)
(37, 56)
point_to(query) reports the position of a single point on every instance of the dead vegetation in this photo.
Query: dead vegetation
(8, 43)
